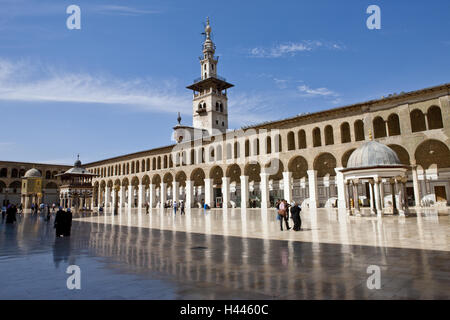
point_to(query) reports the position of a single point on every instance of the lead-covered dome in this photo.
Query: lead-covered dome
(33, 173)
(373, 154)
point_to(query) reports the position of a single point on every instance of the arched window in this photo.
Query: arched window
(154, 163)
(3, 172)
(291, 140)
(302, 139)
(236, 150)
(268, 145)
(165, 162)
(345, 133)
(137, 167)
(417, 121)
(14, 173)
(256, 147)
(159, 163)
(211, 153)
(217, 106)
(379, 128)
(329, 138)
(434, 117)
(393, 125)
(221, 108)
(147, 167)
(170, 161)
(359, 130)
(317, 140)
(247, 148)
(192, 156)
(219, 153)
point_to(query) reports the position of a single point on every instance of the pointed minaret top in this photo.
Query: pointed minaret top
(207, 29)
(179, 118)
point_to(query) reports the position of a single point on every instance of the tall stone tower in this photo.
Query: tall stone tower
(210, 102)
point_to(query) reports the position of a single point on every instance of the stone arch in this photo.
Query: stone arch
(181, 178)
(198, 177)
(253, 171)
(329, 137)
(417, 121)
(168, 179)
(156, 180)
(125, 182)
(394, 125)
(15, 173)
(135, 181)
(2, 186)
(216, 173)
(324, 164)
(345, 133)
(432, 152)
(109, 183)
(402, 154)
(301, 139)
(15, 185)
(317, 139)
(298, 166)
(291, 140)
(234, 173)
(379, 128)
(275, 169)
(346, 156)
(145, 180)
(434, 118)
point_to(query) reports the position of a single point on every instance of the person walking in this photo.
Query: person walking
(295, 212)
(175, 205)
(146, 208)
(181, 207)
(59, 222)
(283, 215)
(67, 223)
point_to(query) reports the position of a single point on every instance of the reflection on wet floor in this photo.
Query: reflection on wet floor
(125, 261)
(427, 229)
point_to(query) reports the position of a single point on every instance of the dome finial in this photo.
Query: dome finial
(207, 28)
(179, 118)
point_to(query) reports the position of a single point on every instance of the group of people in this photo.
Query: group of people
(63, 222)
(9, 212)
(283, 210)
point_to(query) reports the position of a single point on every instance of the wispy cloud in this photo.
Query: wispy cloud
(122, 10)
(292, 48)
(24, 81)
(310, 92)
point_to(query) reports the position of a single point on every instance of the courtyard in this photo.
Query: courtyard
(227, 254)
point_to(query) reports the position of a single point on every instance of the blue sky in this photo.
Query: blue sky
(115, 86)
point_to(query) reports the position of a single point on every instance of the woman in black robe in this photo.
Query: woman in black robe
(67, 222)
(11, 214)
(295, 212)
(59, 222)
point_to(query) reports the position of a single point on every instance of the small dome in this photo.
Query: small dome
(77, 164)
(372, 154)
(32, 173)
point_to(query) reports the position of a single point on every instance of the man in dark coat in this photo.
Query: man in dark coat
(11, 214)
(59, 222)
(67, 223)
(295, 212)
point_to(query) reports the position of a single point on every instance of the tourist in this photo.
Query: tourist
(175, 205)
(146, 207)
(48, 212)
(59, 222)
(67, 223)
(181, 207)
(11, 214)
(295, 212)
(3, 212)
(283, 215)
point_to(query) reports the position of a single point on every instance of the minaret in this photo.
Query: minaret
(210, 102)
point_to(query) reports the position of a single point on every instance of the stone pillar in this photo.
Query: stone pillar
(122, 196)
(416, 186)
(312, 182)
(162, 194)
(264, 186)
(141, 190)
(377, 197)
(394, 201)
(244, 192)
(130, 196)
(340, 188)
(208, 192)
(356, 197)
(188, 193)
(287, 187)
(225, 191)
(113, 196)
(382, 194)
(151, 195)
(349, 183)
(175, 191)
(372, 197)
(99, 198)
(107, 197)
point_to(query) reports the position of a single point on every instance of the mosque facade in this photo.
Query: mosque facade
(402, 143)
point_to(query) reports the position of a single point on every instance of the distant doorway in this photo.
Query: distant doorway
(441, 195)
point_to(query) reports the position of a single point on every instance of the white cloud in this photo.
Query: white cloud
(318, 92)
(32, 82)
(292, 48)
(122, 10)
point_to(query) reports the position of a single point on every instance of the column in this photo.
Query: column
(372, 198)
(340, 187)
(264, 186)
(151, 195)
(208, 192)
(175, 191)
(130, 196)
(244, 191)
(312, 182)
(382, 193)
(416, 186)
(113, 200)
(99, 198)
(400, 204)
(377, 197)
(405, 195)
(287, 187)
(107, 196)
(140, 195)
(225, 191)
(349, 194)
(121, 196)
(188, 193)
(356, 196)
(394, 202)
(162, 195)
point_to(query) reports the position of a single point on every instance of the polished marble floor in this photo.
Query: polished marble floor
(227, 255)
